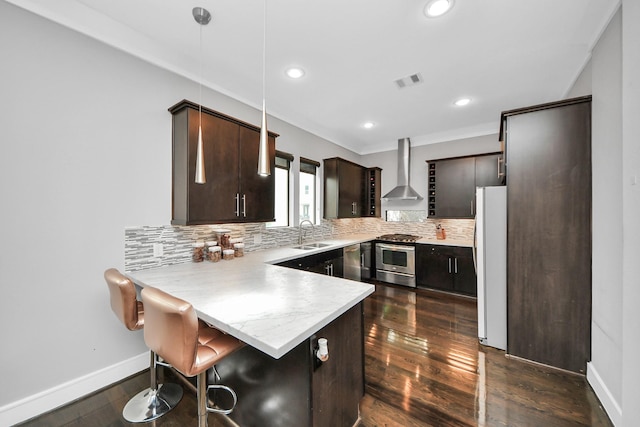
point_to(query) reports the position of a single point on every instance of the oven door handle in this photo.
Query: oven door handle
(396, 273)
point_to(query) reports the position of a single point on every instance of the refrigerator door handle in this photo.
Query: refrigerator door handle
(474, 248)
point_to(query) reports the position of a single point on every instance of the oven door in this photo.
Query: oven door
(396, 258)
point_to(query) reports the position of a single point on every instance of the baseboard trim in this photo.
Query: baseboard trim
(47, 400)
(611, 406)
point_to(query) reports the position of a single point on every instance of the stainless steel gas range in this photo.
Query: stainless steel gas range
(396, 259)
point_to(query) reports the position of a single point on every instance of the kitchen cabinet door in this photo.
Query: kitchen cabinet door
(455, 188)
(487, 170)
(256, 192)
(203, 203)
(464, 272)
(343, 189)
(433, 267)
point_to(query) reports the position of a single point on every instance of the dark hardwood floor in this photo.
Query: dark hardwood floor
(423, 367)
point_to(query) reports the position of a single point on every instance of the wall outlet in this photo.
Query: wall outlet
(158, 250)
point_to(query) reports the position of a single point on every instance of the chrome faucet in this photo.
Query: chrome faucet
(313, 230)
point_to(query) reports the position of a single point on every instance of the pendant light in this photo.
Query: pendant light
(264, 167)
(202, 17)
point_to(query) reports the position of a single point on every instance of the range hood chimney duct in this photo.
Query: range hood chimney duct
(403, 190)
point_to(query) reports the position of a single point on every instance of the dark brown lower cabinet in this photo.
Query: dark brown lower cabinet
(448, 268)
(548, 149)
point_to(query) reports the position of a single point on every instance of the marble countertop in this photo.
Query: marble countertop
(269, 307)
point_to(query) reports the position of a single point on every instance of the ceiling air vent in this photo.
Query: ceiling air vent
(411, 80)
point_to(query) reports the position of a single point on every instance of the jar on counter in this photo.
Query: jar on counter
(198, 252)
(227, 254)
(238, 249)
(207, 247)
(214, 254)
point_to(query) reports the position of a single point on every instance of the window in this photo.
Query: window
(308, 170)
(283, 165)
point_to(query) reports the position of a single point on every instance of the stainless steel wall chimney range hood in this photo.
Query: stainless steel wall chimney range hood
(403, 190)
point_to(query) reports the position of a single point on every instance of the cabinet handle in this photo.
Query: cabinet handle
(500, 173)
(471, 204)
(244, 205)
(237, 204)
(362, 260)
(449, 264)
(455, 265)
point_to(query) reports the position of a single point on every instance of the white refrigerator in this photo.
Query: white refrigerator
(490, 251)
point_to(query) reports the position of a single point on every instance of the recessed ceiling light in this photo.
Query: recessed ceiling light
(295, 72)
(435, 8)
(462, 102)
(368, 125)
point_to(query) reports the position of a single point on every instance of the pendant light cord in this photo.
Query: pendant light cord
(264, 53)
(200, 85)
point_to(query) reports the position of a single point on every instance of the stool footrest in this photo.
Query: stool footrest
(220, 410)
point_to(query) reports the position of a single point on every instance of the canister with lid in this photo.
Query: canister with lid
(198, 252)
(238, 249)
(214, 254)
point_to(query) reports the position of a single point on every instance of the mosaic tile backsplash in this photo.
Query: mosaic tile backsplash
(177, 240)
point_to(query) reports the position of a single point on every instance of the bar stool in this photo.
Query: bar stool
(158, 399)
(173, 331)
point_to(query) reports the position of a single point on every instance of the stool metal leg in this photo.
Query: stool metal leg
(201, 384)
(154, 401)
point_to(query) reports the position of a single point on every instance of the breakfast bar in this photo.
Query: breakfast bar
(280, 313)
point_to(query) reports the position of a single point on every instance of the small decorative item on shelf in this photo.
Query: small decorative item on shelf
(440, 233)
(214, 254)
(198, 252)
(227, 254)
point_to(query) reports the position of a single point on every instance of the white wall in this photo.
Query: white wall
(615, 78)
(388, 161)
(86, 151)
(605, 370)
(630, 211)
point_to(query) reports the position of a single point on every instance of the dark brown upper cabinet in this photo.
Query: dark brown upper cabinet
(452, 183)
(234, 192)
(343, 189)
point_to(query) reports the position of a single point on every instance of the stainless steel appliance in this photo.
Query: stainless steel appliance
(396, 263)
(352, 262)
(490, 252)
(365, 260)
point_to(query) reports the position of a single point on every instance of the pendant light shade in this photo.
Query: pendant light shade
(202, 17)
(264, 166)
(200, 175)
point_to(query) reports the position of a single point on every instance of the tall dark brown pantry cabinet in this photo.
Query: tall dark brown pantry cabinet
(548, 164)
(234, 192)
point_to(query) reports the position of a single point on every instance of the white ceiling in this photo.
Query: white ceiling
(503, 54)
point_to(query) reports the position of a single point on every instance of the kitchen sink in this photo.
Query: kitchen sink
(309, 246)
